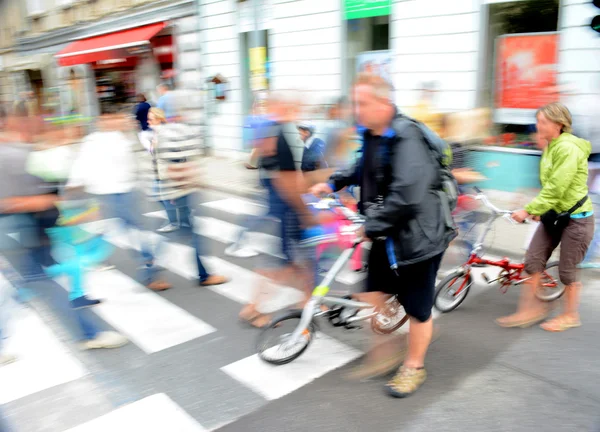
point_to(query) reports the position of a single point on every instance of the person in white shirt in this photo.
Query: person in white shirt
(105, 167)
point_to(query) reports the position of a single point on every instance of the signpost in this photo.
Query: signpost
(355, 9)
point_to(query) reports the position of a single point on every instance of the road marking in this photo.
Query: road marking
(42, 360)
(272, 382)
(181, 260)
(237, 206)
(157, 413)
(147, 319)
(227, 233)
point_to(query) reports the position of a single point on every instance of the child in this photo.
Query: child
(75, 248)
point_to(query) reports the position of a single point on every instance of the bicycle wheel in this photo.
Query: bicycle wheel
(551, 288)
(280, 331)
(447, 296)
(390, 318)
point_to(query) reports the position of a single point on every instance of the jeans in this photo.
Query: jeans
(290, 224)
(123, 206)
(183, 206)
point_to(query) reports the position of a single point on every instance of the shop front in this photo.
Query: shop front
(520, 73)
(123, 64)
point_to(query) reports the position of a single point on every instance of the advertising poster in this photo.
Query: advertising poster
(375, 62)
(526, 70)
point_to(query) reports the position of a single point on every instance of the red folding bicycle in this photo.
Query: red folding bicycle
(454, 288)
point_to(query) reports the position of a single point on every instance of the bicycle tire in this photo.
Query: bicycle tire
(456, 275)
(377, 328)
(557, 293)
(261, 348)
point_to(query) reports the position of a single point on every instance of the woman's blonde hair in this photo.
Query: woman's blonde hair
(158, 114)
(559, 114)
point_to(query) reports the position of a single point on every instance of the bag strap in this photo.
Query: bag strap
(579, 204)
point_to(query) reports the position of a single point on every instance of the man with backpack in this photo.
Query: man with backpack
(407, 195)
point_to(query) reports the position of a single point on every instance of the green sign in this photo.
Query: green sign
(354, 9)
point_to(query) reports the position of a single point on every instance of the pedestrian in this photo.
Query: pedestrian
(401, 197)
(105, 167)
(148, 139)
(23, 195)
(285, 186)
(141, 112)
(166, 101)
(176, 179)
(313, 154)
(566, 212)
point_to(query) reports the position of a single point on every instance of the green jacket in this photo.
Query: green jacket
(564, 176)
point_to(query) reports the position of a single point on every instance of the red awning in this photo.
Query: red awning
(108, 46)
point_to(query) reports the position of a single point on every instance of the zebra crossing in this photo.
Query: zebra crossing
(190, 366)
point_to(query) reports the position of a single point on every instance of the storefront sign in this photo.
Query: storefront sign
(354, 9)
(526, 71)
(376, 63)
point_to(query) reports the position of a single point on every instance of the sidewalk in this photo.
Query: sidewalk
(230, 176)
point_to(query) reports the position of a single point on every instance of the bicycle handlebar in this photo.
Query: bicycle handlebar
(331, 202)
(506, 214)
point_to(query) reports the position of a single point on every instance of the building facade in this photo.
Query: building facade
(314, 46)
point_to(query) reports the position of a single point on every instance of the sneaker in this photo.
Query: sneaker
(6, 359)
(107, 339)
(406, 382)
(84, 302)
(168, 228)
(159, 285)
(214, 280)
(317, 235)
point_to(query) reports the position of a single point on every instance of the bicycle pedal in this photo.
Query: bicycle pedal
(486, 278)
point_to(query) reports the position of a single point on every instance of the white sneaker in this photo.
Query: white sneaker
(7, 359)
(107, 339)
(168, 228)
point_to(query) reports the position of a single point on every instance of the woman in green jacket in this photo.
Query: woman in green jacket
(564, 177)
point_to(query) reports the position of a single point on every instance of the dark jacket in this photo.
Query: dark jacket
(141, 115)
(313, 157)
(409, 209)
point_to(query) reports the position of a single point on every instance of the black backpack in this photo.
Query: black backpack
(441, 153)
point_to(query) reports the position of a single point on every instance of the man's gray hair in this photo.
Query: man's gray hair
(381, 87)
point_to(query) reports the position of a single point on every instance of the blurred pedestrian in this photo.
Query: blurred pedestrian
(166, 101)
(156, 117)
(285, 186)
(566, 213)
(141, 112)
(106, 168)
(313, 154)
(176, 179)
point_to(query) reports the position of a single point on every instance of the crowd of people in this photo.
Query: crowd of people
(390, 174)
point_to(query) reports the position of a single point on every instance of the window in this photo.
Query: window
(36, 7)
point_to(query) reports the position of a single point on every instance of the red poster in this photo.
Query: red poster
(526, 67)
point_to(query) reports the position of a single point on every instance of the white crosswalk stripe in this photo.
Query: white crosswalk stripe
(157, 413)
(42, 361)
(147, 319)
(227, 233)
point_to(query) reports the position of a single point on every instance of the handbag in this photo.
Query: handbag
(555, 222)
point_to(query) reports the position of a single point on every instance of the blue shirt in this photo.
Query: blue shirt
(165, 103)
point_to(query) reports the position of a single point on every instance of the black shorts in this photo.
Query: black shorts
(414, 285)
